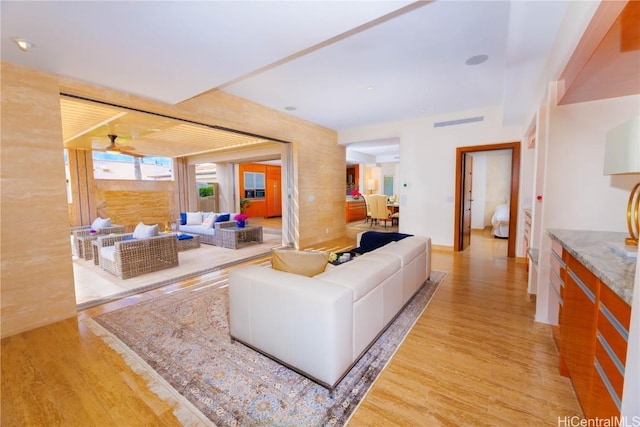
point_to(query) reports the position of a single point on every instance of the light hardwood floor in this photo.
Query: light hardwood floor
(475, 357)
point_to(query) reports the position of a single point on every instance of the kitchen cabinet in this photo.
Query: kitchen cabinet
(355, 210)
(595, 314)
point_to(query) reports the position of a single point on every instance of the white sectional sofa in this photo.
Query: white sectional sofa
(320, 326)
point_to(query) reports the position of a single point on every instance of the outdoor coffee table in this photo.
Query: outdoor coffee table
(230, 237)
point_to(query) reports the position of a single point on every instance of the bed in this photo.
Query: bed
(500, 221)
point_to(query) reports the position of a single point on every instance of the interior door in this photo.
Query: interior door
(467, 198)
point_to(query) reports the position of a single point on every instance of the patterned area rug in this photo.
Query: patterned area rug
(184, 337)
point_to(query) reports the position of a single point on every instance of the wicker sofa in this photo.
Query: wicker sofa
(129, 258)
(206, 231)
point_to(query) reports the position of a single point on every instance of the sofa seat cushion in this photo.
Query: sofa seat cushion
(407, 249)
(197, 229)
(108, 252)
(362, 274)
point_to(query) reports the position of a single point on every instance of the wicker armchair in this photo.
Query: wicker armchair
(130, 258)
(82, 247)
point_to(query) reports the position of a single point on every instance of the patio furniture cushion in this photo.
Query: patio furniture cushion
(100, 223)
(198, 229)
(223, 217)
(142, 230)
(108, 252)
(194, 218)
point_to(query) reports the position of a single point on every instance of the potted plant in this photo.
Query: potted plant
(241, 219)
(244, 204)
(355, 194)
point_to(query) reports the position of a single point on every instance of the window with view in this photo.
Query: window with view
(254, 185)
(122, 166)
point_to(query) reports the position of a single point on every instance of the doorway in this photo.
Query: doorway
(462, 239)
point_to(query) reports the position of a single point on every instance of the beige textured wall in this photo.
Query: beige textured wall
(37, 276)
(129, 202)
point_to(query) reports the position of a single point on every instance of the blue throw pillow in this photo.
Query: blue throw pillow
(124, 238)
(185, 237)
(223, 217)
(183, 218)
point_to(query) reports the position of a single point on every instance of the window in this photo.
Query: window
(122, 166)
(254, 187)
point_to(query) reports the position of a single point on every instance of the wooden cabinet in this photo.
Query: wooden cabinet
(557, 272)
(355, 210)
(614, 317)
(594, 325)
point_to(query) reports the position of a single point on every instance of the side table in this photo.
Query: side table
(84, 245)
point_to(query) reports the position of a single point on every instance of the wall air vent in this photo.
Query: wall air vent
(458, 122)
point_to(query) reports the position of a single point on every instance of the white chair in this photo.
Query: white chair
(367, 205)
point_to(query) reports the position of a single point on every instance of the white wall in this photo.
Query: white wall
(478, 189)
(427, 175)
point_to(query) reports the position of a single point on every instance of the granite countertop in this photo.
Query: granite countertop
(590, 248)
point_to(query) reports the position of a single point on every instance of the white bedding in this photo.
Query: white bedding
(500, 221)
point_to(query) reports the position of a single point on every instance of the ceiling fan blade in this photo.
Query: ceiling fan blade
(131, 153)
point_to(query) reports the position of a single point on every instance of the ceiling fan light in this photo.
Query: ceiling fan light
(22, 44)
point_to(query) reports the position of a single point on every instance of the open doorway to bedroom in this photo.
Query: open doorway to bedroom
(499, 202)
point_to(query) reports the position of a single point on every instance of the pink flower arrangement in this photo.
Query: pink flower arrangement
(241, 217)
(355, 194)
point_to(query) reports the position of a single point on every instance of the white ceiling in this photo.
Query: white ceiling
(319, 57)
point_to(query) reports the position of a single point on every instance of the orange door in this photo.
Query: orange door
(274, 197)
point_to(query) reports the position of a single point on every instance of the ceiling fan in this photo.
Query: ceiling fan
(112, 148)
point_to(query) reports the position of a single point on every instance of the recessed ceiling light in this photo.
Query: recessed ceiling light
(476, 60)
(290, 108)
(370, 88)
(23, 45)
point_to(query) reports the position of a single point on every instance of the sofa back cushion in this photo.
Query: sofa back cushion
(194, 218)
(223, 217)
(305, 263)
(363, 274)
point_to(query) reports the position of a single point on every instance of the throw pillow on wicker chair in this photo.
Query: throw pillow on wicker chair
(100, 223)
(143, 231)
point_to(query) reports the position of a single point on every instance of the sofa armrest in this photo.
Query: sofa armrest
(301, 321)
(225, 224)
(110, 240)
(112, 229)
